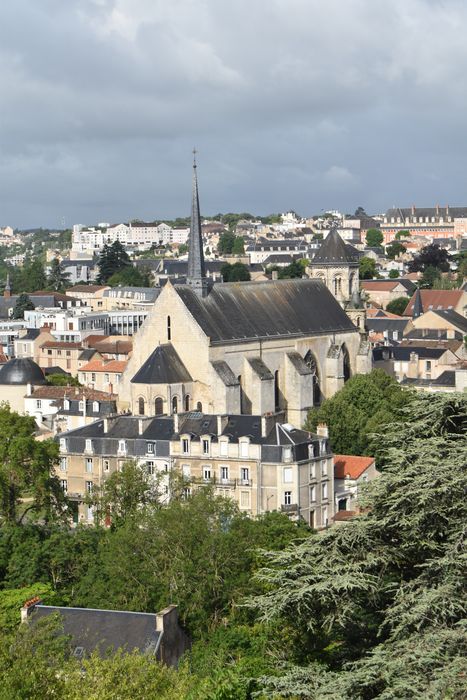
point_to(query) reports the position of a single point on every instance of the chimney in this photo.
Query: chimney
(322, 430)
(219, 425)
(275, 275)
(176, 422)
(140, 426)
(413, 209)
(29, 390)
(106, 426)
(29, 607)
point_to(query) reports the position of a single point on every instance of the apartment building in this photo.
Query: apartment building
(261, 465)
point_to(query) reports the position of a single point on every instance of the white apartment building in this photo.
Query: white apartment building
(91, 240)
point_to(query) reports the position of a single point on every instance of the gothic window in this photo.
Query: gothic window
(158, 406)
(310, 361)
(141, 406)
(199, 407)
(337, 285)
(175, 404)
(277, 398)
(187, 403)
(346, 363)
(169, 329)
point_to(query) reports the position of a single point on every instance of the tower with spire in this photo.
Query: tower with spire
(196, 277)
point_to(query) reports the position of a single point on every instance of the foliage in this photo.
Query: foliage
(23, 303)
(13, 599)
(226, 243)
(430, 256)
(183, 249)
(62, 380)
(26, 470)
(57, 279)
(397, 306)
(367, 268)
(374, 237)
(394, 274)
(430, 276)
(130, 276)
(238, 272)
(394, 249)
(238, 247)
(29, 278)
(112, 259)
(402, 234)
(380, 601)
(296, 269)
(363, 406)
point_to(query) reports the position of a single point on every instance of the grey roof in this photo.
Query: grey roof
(31, 334)
(225, 373)
(447, 378)
(417, 309)
(259, 368)
(105, 630)
(403, 352)
(334, 251)
(164, 366)
(239, 311)
(380, 324)
(21, 371)
(406, 212)
(87, 354)
(196, 276)
(452, 317)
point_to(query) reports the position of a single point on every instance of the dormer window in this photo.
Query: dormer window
(88, 446)
(81, 406)
(122, 447)
(206, 446)
(66, 405)
(63, 446)
(244, 448)
(224, 448)
(95, 406)
(151, 448)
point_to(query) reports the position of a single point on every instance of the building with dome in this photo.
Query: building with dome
(17, 378)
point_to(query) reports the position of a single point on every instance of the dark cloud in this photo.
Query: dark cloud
(291, 103)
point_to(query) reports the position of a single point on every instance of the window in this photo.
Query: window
(428, 365)
(89, 465)
(312, 494)
(287, 454)
(81, 406)
(63, 464)
(158, 406)
(186, 471)
(324, 468)
(244, 449)
(38, 403)
(324, 517)
(207, 473)
(312, 470)
(95, 406)
(88, 446)
(93, 377)
(106, 378)
(224, 473)
(187, 403)
(141, 406)
(186, 446)
(244, 499)
(64, 485)
(287, 498)
(169, 329)
(287, 475)
(224, 448)
(324, 491)
(150, 448)
(175, 404)
(205, 447)
(63, 444)
(342, 504)
(106, 465)
(245, 475)
(122, 446)
(66, 405)
(150, 468)
(89, 486)
(199, 407)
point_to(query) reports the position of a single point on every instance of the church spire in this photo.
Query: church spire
(417, 309)
(196, 277)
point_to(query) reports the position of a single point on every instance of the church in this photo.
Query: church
(260, 348)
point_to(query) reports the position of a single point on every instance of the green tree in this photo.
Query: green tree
(402, 234)
(57, 279)
(292, 271)
(398, 305)
(394, 249)
(430, 275)
(27, 471)
(112, 259)
(380, 602)
(394, 274)
(430, 256)
(367, 268)
(183, 249)
(238, 247)
(226, 243)
(238, 272)
(130, 276)
(365, 404)
(374, 237)
(23, 303)
(62, 380)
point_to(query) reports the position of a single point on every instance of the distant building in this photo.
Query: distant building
(433, 222)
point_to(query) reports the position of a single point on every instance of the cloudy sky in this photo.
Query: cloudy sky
(302, 104)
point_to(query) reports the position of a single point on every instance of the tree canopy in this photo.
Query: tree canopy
(374, 237)
(57, 279)
(394, 249)
(367, 268)
(23, 303)
(238, 272)
(430, 256)
(112, 259)
(397, 306)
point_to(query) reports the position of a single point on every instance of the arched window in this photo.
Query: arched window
(337, 285)
(158, 406)
(346, 363)
(187, 402)
(277, 398)
(141, 406)
(175, 404)
(310, 361)
(169, 329)
(351, 281)
(199, 407)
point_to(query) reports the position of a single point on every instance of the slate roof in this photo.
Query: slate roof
(105, 630)
(32, 334)
(447, 378)
(163, 366)
(453, 317)
(403, 352)
(334, 251)
(239, 311)
(445, 212)
(21, 371)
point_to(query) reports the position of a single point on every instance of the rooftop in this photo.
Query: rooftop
(351, 465)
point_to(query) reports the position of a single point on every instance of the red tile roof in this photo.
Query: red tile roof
(436, 299)
(61, 344)
(103, 366)
(71, 392)
(351, 465)
(344, 515)
(379, 286)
